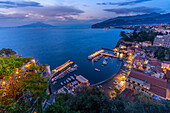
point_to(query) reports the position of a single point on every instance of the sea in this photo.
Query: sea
(55, 46)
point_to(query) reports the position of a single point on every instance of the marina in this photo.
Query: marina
(76, 51)
(65, 74)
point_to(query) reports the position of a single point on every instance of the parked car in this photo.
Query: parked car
(115, 82)
(110, 87)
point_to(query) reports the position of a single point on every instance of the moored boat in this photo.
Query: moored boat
(104, 62)
(72, 77)
(69, 79)
(61, 83)
(97, 69)
(54, 82)
(107, 57)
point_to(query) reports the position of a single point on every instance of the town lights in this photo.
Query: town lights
(33, 60)
(3, 83)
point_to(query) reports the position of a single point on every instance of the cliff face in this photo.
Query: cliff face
(153, 18)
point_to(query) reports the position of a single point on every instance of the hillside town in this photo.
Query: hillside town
(145, 68)
(148, 74)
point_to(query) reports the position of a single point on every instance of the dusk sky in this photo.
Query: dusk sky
(19, 12)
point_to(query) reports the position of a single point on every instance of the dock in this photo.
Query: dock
(108, 49)
(61, 68)
(110, 55)
(95, 54)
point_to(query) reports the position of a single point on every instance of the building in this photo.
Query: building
(165, 65)
(82, 80)
(168, 75)
(162, 40)
(158, 72)
(139, 61)
(154, 62)
(146, 43)
(155, 87)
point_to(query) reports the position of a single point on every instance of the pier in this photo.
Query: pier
(61, 68)
(108, 49)
(95, 54)
(110, 55)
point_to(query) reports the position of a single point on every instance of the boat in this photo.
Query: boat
(55, 78)
(54, 82)
(61, 83)
(102, 65)
(69, 79)
(97, 69)
(64, 82)
(61, 75)
(107, 57)
(74, 68)
(72, 77)
(52, 79)
(104, 62)
(96, 59)
(75, 75)
(100, 56)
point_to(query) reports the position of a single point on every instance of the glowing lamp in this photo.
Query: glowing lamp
(3, 83)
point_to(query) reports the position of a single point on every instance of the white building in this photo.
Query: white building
(162, 40)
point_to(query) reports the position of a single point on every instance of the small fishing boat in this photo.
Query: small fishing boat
(72, 77)
(75, 75)
(104, 62)
(64, 82)
(107, 57)
(69, 79)
(97, 69)
(61, 83)
(54, 82)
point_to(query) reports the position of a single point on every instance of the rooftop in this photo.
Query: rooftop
(149, 79)
(157, 85)
(81, 79)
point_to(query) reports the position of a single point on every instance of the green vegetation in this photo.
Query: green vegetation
(161, 53)
(21, 90)
(7, 51)
(138, 36)
(9, 64)
(92, 100)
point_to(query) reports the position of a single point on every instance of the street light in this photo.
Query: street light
(3, 83)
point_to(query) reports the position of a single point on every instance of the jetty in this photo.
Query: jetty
(95, 54)
(108, 49)
(110, 55)
(61, 68)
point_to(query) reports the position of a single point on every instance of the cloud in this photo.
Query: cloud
(12, 16)
(135, 10)
(123, 3)
(10, 4)
(58, 11)
(43, 14)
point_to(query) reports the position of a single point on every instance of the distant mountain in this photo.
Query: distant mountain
(153, 18)
(37, 24)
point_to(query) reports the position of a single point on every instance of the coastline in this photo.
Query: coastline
(108, 80)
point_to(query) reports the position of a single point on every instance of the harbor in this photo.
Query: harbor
(66, 77)
(62, 79)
